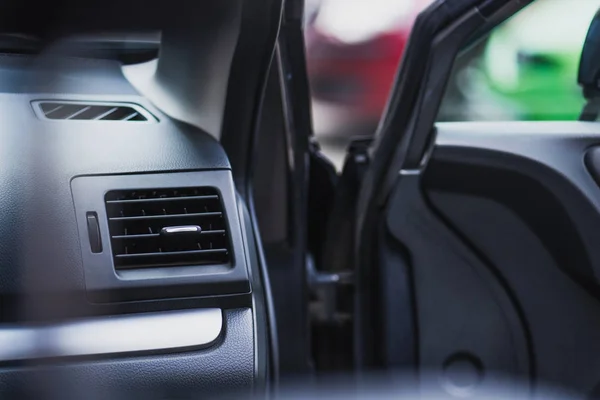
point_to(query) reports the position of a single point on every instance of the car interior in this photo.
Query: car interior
(172, 230)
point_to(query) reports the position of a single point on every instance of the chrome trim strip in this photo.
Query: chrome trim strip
(173, 230)
(189, 329)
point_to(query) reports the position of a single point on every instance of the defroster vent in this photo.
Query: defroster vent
(167, 227)
(81, 111)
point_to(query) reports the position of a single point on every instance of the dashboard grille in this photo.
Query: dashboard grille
(76, 111)
(142, 225)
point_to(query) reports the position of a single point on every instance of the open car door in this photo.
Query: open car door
(475, 244)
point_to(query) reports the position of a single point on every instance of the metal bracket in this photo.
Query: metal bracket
(325, 286)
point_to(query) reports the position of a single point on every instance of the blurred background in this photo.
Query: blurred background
(526, 70)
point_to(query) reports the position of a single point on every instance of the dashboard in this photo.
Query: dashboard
(128, 260)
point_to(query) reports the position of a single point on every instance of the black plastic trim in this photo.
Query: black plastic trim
(104, 284)
(94, 232)
(273, 368)
(448, 278)
(225, 368)
(260, 307)
(248, 78)
(540, 157)
(565, 244)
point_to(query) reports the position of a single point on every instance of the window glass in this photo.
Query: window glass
(525, 69)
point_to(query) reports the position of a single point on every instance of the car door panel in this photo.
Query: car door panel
(463, 311)
(495, 222)
(539, 172)
(501, 237)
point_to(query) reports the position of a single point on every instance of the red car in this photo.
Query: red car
(353, 51)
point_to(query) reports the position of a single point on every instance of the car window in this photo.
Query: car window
(525, 69)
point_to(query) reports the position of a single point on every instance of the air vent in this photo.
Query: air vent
(76, 111)
(167, 227)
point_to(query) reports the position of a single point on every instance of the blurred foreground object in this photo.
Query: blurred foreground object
(353, 50)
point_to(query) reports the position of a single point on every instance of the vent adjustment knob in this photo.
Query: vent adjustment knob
(94, 232)
(180, 230)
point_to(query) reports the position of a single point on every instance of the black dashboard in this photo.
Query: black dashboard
(93, 292)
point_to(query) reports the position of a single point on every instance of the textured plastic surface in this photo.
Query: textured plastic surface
(40, 254)
(264, 318)
(228, 366)
(40, 250)
(201, 280)
(115, 335)
(461, 309)
(520, 195)
(551, 154)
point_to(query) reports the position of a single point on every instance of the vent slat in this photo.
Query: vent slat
(153, 260)
(208, 214)
(130, 116)
(150, 200)
(52, 110)
(167, 227)
(80, 111)
(106, 113)
(172, 253)
(150, 235)
(139, 236)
